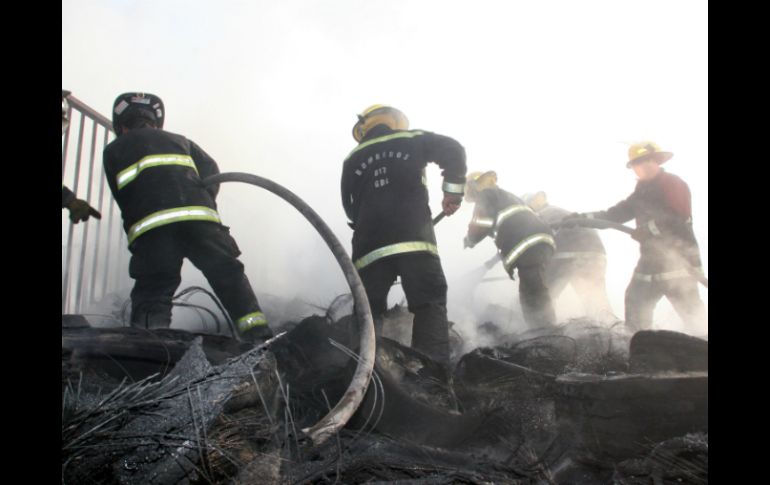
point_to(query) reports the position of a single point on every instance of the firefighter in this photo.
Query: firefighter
(580, 260)
(385, 196)
(523, 239)
(661, 205)
(79, 209)
(168, 215)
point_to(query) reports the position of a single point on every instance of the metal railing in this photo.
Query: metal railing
(94, 252)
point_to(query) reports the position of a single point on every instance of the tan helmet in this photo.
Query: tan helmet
(646, 150)
(477, 182)
(379, 114)
(535, 201)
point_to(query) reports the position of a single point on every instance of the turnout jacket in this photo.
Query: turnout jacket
(67, 196)
(156, 179)
(572, 242)
(663, 212)
(384, 190)
(521, 236)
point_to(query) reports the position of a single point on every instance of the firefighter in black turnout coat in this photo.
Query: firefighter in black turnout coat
(168, 215)
(580, 260)
(385, 197)
(524, 241)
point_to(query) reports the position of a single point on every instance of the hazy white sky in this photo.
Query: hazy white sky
(546, 93)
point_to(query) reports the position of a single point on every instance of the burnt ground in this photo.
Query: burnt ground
(579, 403)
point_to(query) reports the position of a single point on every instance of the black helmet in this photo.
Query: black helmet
(130, 106)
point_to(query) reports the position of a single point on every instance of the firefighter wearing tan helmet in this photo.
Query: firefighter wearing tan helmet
(580, 261)
(669, 252)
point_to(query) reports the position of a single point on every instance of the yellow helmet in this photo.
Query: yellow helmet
(478, 181)
(645, 150)
(535, 201)
(379, 114)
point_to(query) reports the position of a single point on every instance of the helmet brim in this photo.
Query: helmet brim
(357, 135)
(659, 157)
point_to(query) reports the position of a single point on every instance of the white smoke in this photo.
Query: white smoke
(539, 92)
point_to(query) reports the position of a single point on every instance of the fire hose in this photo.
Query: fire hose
(605, 224)
(351, 400)
(438, 218)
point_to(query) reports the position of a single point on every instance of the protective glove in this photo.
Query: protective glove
(641, 234)
(81, 211)
(572, 220)
(451, 203)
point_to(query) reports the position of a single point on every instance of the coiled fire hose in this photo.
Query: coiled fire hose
(348, 404)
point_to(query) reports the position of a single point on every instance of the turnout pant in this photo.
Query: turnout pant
(536, 304)
(587, 275)
(642, 294)
(156, 264)
(425, 288)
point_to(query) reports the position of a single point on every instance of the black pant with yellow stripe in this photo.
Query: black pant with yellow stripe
(535, 299)
(425, 287)
(156, 265)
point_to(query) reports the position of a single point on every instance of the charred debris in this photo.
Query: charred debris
(579, 403)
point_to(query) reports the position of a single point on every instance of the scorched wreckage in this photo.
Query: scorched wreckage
(363, 393)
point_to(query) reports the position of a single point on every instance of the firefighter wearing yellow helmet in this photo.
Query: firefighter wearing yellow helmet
(580, 261)
(385, 197)
(661, 206)
(523, 239)
(379, 114)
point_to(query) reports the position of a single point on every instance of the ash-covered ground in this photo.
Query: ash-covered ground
(580, 403)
